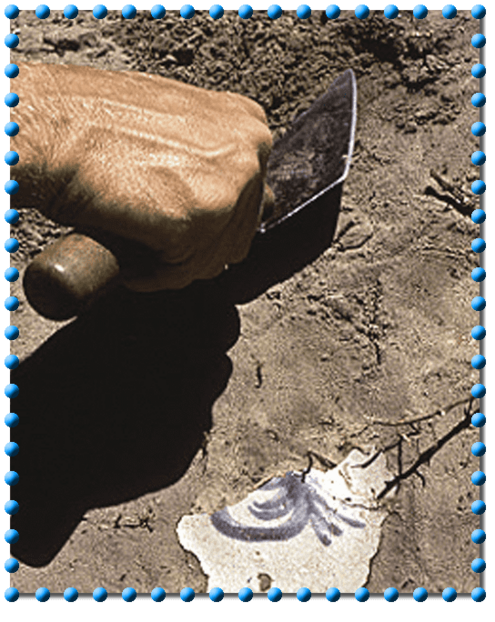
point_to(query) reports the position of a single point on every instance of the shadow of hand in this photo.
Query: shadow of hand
(114, 406)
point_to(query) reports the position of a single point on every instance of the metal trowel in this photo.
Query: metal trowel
(306, 164)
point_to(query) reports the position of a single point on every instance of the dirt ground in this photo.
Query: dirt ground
(154, 406)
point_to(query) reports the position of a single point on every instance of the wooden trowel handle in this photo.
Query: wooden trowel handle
(69, 275)
(66, 278)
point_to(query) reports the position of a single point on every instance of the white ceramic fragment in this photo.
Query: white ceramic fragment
(317, 531)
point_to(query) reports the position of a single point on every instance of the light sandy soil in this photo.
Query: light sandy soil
(152, 407)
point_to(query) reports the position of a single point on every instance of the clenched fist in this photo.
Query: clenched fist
(177, 168)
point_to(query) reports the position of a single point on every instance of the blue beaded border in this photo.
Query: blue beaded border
(478, 245)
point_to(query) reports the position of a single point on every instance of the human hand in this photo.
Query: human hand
(177, 168)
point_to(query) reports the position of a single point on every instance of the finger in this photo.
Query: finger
(267, 204)
(165, 276)
(251, 107)
(232, 246)
(240, 233)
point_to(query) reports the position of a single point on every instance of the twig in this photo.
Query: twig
(446, 185)
(308, 468)
(310, 454)
(426, 456)
(460, 201)
(437, 413)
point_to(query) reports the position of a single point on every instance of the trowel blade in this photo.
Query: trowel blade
(314, 155)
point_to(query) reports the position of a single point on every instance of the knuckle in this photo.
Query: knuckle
(251, 107)
(250, 165)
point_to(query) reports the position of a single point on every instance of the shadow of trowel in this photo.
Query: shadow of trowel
(306, 170)
(285, 250)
